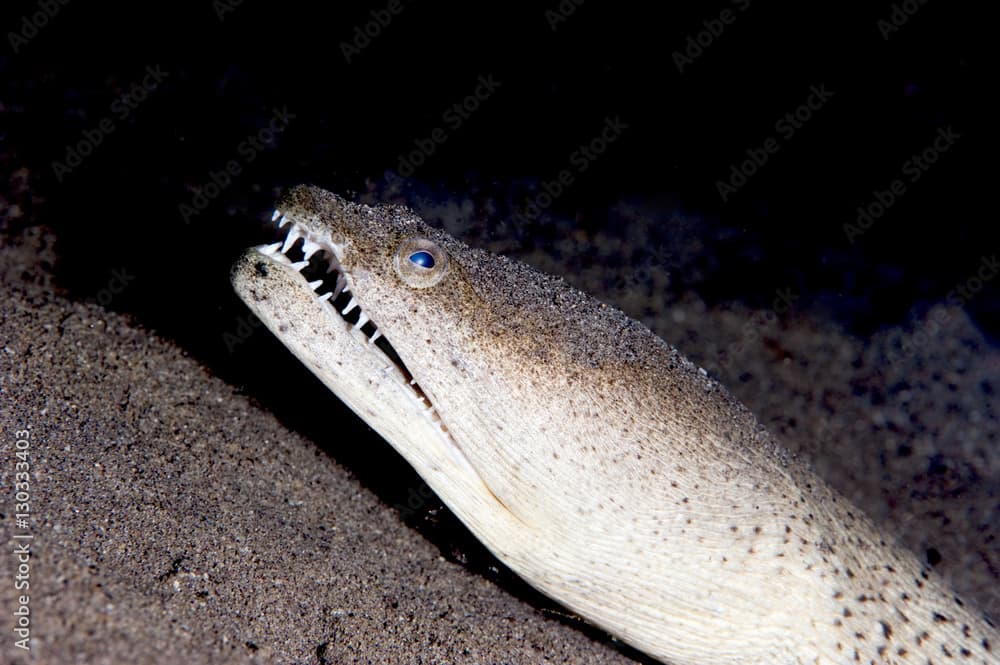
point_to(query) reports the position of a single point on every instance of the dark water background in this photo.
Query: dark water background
(563, 72)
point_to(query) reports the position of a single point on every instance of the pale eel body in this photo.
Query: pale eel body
(589, 456)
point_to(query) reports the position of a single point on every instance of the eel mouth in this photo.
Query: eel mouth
(317, 259)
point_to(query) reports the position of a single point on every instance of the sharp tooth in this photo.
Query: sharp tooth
(315, 285)
(341, 285)
(275, 215)
(284, 220)
(375, 336)
(271, 249)
(413, 382)
(362, 320)
(350, 305)
(326, 296)
(290, 239)
(309, 248)
(300, 265)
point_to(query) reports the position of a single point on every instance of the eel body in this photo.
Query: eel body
(589, 455)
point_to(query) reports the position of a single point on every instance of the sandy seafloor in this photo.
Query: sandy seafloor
(175, 519)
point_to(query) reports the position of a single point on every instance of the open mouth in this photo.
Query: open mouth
(317, 259)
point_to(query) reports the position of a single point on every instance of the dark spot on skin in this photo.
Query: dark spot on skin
(886, 630)
(933, 556)
(283, 327)
(261, 268)
(939, 618)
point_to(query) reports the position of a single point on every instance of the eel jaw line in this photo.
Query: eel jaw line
(319, 263)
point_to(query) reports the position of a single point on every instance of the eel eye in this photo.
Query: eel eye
(420, 262)
(422, 259)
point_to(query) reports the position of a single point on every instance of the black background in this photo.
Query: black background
(353, 120)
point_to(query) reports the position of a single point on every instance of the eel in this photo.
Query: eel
(589, 455)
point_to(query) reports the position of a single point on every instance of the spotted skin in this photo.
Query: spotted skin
(594, 460)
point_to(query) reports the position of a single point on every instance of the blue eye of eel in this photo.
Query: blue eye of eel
(422, 259)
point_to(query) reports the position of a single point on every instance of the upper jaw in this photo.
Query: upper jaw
(319, 259)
